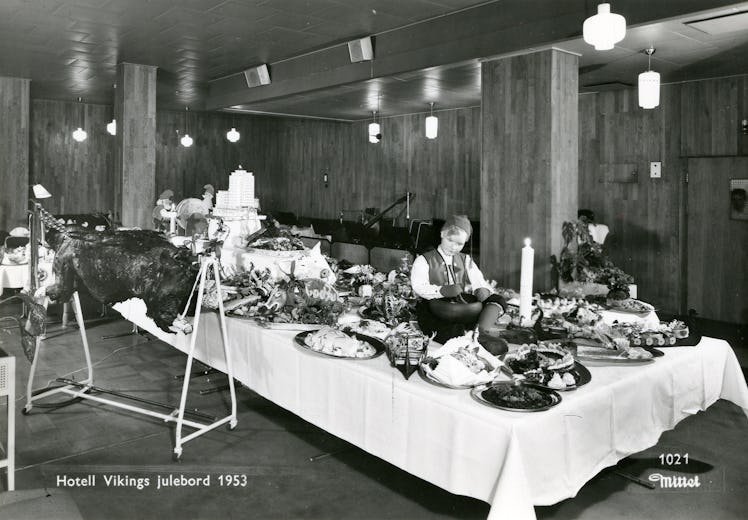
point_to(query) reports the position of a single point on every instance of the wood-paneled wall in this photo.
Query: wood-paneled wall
(289, 157)
(717, 280)
(647, 216)
(711, 114)
(80, 176)
(444, 173)
(14, 151)
(644, 214)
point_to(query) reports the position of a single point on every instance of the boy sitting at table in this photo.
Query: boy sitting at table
(440, 278)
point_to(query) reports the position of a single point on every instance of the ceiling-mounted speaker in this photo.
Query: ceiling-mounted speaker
(257, 76)
(361, 50)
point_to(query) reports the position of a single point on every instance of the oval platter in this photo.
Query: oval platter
(378, 345)
(582, 376)
(486, 395)
(426, 376)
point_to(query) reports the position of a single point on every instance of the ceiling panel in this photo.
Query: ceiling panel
(70, 48)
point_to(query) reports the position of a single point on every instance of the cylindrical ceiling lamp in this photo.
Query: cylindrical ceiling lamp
(79, 134)
(186, 140)
(604, 29)
(432, 124)
(375, 132)
(649, 85)
(232, 135)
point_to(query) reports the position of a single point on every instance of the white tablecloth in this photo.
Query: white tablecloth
(510, 460)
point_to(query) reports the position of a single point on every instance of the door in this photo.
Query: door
(717, 245)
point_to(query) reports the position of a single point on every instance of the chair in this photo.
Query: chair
(385, 259)
(8, 390)
(354, 253)
(324, 244)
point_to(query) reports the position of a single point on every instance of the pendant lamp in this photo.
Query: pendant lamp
(232, 135)
(604, 29)
(432, 124)
(79, 134)
(375, 133)
(649, 85)
(186, 140)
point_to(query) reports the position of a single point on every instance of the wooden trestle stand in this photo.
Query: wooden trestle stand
(80, 389)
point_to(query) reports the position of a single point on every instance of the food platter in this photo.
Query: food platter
(612, 357)
(429, 378)
(378, 346)
(281, 326)
(547, 365)
(580, 374)
(631, 306)
(514, 397)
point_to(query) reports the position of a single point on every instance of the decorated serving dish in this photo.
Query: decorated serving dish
(548, 365)
(335, 343)
(461, 363)
(516, 397)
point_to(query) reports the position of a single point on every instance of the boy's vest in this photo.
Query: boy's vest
(438, 273)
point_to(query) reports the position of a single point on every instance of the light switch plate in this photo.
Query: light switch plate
(655, 170)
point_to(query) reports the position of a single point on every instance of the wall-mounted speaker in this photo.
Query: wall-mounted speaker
(257, 76)
(361, 50)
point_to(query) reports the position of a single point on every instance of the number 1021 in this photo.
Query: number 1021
(673, 459)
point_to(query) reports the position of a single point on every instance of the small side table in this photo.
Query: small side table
(8, 389)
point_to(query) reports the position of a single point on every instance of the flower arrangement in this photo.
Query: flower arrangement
(583, 260)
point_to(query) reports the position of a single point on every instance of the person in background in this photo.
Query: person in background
(598, 232)
(454, 295)
(738, 203)
(164, 211)
(208, 194)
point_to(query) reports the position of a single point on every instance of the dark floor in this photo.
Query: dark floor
(272, 449)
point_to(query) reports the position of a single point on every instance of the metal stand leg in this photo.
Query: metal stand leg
(80, 389)
(206, 264)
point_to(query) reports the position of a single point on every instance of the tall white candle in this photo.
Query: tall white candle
(525, 283)
(173, 223)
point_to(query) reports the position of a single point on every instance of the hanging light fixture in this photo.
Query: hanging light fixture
(375, 133)
(649, 84)
(112, 127)
(80, 134)
(186, 140)
(604, 29)
(232, 135)
(432, 124)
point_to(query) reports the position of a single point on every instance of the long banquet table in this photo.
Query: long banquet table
(511, 460)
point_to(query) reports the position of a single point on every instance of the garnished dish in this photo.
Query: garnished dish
(335, 343)
(630, 305)
(663, 335)
(461, 363)
(516, 397)
(548, 365)
(278, 244)
(623, 356)
(372, 328)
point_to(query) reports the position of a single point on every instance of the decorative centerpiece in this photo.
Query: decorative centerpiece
(584, 269)
(237, 209)
(406, 348)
